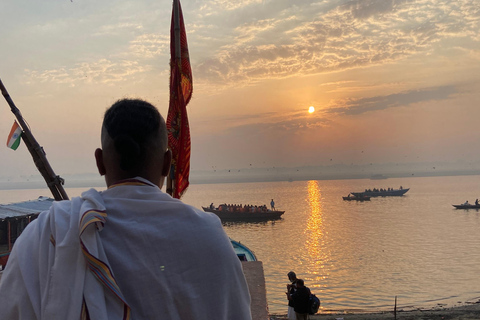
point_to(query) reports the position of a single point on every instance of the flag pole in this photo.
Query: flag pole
(54, 182)
(178, 57)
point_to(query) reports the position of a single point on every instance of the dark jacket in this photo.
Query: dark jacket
(300, 300)
(292, 291)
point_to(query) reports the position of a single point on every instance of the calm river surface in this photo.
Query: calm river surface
(355, 255)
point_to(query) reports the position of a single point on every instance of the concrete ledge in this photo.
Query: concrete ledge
(253, 271)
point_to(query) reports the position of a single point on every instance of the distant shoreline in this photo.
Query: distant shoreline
(36, 182)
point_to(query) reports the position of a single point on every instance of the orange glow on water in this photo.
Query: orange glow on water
(315, 241)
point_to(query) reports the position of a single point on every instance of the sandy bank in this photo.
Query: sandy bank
(464, 312)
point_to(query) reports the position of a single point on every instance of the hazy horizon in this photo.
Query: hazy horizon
(374, 172)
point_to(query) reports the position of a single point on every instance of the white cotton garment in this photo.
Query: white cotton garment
(168, 260)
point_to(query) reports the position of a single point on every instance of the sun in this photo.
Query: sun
(311, 109)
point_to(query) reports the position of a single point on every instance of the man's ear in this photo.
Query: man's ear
(100, 163)
(167, 160)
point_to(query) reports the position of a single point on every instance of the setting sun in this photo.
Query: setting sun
(311, 109)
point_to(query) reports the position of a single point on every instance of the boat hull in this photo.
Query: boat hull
(14, 218)
(466, 206)
(391, 193)
(365, 198)
(243, 252)
(245, 216)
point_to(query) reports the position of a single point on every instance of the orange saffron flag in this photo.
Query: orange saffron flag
(181, 87)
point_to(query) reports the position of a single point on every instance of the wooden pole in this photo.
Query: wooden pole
(54, 182)
(395, 309)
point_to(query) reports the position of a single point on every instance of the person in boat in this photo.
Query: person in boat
(211, 205)
(272, 205)
(476, 202)
(131, 251)
(466, 203)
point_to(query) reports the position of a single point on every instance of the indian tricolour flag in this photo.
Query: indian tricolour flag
(14, 137)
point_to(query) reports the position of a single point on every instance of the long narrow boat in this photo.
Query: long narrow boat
(226, 215)
(14, 218)
(243, 252)
(382, 193)
(356, 198)
(466, 206)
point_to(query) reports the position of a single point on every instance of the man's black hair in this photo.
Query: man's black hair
(132, 124)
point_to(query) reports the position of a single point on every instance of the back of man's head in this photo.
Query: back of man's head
(291, 275)
(134, 138)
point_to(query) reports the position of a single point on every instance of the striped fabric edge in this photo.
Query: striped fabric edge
(100, 270)
(92, 216)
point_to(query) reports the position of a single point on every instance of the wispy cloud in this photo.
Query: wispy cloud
(353, 34)
(214, 6)
(150, 45)
(359, 106)
(102, 71)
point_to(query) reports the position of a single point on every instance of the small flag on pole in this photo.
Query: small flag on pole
(14, 137)
(181, 86)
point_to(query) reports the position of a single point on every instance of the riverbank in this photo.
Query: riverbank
(469, 311)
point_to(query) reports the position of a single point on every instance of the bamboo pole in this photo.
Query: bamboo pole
(395, 309)
(54, 182)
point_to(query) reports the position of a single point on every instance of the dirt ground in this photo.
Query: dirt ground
(465, 312)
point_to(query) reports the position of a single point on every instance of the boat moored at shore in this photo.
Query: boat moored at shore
(14, 218)
(243, 252)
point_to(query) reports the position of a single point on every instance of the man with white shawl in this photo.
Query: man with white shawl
(129, 252)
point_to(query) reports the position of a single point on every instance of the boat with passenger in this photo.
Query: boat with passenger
(467, 205)
(234, 212)
(389, 192)
(351, 197)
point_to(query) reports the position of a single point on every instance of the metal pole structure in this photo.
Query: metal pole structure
(54, 182)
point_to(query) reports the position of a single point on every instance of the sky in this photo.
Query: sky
(391, 81)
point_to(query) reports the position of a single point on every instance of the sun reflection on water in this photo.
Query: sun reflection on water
(318, 254)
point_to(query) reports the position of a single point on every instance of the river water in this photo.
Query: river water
(355, 256)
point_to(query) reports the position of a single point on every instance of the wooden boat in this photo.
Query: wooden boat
(237, 215)
(351, 197)
(382, 193)
(466, 206)
(243, 252)
(14, 218)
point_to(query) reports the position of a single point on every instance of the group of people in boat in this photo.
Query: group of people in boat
(239, 208)
(467, 203)
(382, 190)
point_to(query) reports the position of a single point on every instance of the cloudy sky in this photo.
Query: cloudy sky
(390, 80)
